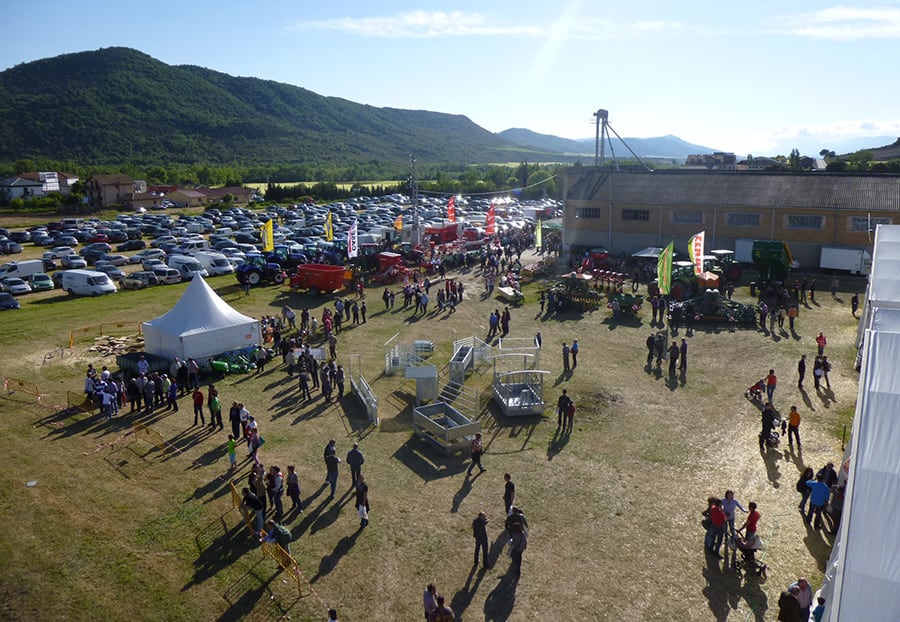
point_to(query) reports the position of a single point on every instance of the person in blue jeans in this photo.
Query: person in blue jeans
(818, 499)
(331, 468)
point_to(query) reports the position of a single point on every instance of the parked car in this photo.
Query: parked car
(40, 282)
(131, 245)
(73, 261)
(140, 280)
(14, 285)
(49, 264)
(152, 262)
(20, 237)
(111, 271)
(58, 252)
(166, 275)
(7, 301)
(8, 247)
(65, 240)
(148, 253)
(98, 237)
(95, 247)
(116, 260)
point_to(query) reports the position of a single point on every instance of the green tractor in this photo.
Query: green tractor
(574, 291)
(723, 263)
(684, 281)
(772, 260)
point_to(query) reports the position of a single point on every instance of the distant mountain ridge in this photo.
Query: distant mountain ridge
(668, 146)
(119, 105)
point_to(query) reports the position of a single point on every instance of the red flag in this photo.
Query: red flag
(490, 224)
(451, 209)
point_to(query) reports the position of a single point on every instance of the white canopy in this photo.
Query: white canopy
(862, 579)
(200, 325)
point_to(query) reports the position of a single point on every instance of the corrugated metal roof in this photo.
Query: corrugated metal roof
(744, 189)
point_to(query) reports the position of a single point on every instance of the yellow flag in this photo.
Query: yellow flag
(329, 228)
(268, 233)
(398, 223)
(539, 234)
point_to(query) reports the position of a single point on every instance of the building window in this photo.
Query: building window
(743, 219)
(687, 217)
(803, 222)
(863, 224)
(588, 212)
(642, 215)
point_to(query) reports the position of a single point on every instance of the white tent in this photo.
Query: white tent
(862, 579)
(200, 325)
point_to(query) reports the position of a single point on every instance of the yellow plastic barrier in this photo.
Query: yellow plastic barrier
(14, 385)
(150, 435)
(288, 563)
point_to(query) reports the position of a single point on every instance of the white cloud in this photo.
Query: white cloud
(442, 24)
(846, 23)
(423, 25)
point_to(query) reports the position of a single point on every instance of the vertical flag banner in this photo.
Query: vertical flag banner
(329, 228)
(539, 234)
(664, 269)
(695, 251)
(398, 223)
(352, 241)
(451, 209)
(268, 235)
(490, 226)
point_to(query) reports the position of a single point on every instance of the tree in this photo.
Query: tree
(825, 153)
(794, 160)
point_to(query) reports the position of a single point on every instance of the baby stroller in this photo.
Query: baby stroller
(756, 391)
(748, 562)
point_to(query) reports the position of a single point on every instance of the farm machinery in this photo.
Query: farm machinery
(317, 278)
(573, 291)
(711, 306)
(257, 269)
(624, 304)
(390, 268)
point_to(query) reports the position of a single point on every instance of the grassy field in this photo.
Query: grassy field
(120, 532)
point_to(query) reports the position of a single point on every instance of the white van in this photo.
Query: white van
(87, 283)
(187, 266)
(189, 247)
(21, 269)
(215, 263)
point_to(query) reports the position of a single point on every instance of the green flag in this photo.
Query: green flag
(664, 269)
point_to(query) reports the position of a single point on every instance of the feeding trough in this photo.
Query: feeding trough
(462, 361)
(519, 391)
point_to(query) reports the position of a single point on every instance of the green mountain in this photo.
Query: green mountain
(119, 105)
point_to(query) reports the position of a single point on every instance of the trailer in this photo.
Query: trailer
(317, 278)
(853, 260)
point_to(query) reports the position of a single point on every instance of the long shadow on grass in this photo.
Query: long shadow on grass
(499, 603)
(219, 545)
(557, 443)
(463, 598)
(330, 562)
(426, 460)
(243, 596)
(724, 590)
(773, 472)
(493, 420)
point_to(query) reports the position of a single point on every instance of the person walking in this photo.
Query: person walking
(442, 613)
(682, 356)
(821, 342)
(562, 405)
(331, 472)
(570, 417)
(794, 427)
(812, 290)
(362, 501)
(804, 596)
(854, 304)
(509, 493)
(803, 490)
(574, 351)
(518, 542)
(277, 488)
(215, 408)
(673, 358)
(476, 451)
(651, 346)
(771, 384)
(801, 371)
(565, 354)
(355, 460)
(479, 531)
(826, 367)
(818, 499)
(293, 488)
(429, 600)
(730, 505)
(789, 606)
(198, 406)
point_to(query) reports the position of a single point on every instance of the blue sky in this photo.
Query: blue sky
(759, 77)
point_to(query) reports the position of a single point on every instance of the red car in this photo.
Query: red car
(100, 237)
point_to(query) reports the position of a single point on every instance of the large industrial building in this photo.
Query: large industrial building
(628, 211)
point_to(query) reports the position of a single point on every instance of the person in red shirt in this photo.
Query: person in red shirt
(198, 405)
(771, 382)
(715, 533)
(820, 341)
(751, 522)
